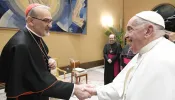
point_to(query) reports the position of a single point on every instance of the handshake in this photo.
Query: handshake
(84, 91)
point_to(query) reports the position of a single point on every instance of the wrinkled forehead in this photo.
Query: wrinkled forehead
(43, 12)
(111, 36)
(132, 21)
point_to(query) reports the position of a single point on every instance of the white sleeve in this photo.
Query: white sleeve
(114, 90)
(108, 92)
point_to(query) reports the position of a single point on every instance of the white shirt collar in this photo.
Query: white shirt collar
(149, 46)
(33, 32)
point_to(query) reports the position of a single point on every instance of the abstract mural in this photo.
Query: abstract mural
(68, 15)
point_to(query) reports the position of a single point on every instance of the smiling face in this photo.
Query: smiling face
(41, 27)
(135, 34)
(111, 39)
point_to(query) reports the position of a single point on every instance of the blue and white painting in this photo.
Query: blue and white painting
(68, 15)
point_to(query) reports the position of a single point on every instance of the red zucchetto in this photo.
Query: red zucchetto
(31, 6)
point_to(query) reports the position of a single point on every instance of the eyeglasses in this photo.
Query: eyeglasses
(46, 20)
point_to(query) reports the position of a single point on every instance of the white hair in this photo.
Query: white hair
(159, 30)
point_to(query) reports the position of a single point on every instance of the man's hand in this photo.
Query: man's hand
(80, 93)
(52, 63)
(109, 61)
(90, 89)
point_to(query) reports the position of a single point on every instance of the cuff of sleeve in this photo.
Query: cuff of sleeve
(73, 91)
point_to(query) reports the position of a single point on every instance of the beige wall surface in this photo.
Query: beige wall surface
(87, 47)
(131, 7)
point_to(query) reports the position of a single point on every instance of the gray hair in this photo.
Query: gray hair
(33, 13)
(140, 21)
(158, 28)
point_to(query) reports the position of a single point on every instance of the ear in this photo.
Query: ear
(29, 20)
(149, 31)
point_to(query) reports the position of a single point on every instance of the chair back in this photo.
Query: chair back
(57, 70)
(74, 63)
(76, 71)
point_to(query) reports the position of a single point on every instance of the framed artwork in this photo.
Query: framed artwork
(68, 15)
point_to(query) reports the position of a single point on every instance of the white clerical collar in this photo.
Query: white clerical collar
(33, 32)
(149, 46)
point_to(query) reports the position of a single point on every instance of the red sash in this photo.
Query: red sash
(126, 60)
(116, 66)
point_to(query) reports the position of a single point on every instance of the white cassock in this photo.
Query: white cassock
(150, 75)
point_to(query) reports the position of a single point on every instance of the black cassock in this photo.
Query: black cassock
(126, 56)
(25, 72)
(111, 51)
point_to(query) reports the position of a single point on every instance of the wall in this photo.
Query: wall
(131, 7)
(86, 48)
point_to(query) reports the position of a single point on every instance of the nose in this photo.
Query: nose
(50, 25)
(126, 35)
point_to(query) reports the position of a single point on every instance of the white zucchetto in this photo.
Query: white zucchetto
(152, 16)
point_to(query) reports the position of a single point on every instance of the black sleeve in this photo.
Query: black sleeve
(29, 74)
(62, 90)
(105, 55)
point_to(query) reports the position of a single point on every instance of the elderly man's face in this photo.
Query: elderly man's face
(43, 22)
(135, 35)
(111, 39)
